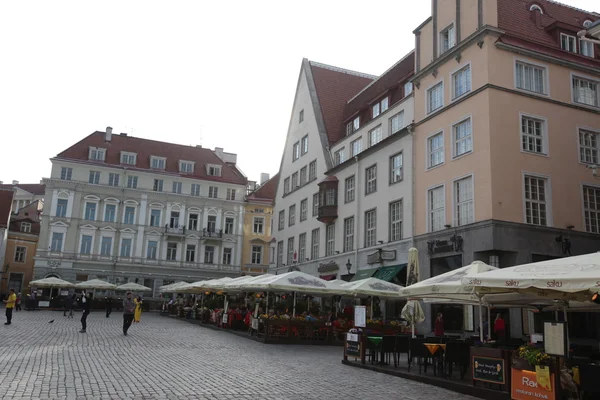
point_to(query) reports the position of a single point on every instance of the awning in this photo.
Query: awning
(388, 273)
(363, 274)
(328, 277)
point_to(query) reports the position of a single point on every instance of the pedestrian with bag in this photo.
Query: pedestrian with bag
(128, 310)
(85, 304)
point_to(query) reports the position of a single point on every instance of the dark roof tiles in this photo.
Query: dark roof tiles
(267, 191)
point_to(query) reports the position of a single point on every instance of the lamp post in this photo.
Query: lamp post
(349, 266)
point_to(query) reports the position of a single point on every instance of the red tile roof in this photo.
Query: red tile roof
(335, 86)
(146, 148)
(6, 199)
(33, 188)
(267, 191)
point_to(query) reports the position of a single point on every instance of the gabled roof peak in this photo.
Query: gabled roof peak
(342, 70)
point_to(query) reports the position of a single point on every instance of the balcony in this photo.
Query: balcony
(173, 231)
(215, 234)
(328, 195)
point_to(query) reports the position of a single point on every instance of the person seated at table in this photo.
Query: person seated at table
(309, 317)
(439, 325)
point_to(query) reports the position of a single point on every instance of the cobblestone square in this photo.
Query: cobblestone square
(164, 358)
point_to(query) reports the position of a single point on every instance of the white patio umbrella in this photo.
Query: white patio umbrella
(134, 287)
(51, 283)
(95, 284)
(372, 287)
(173, 287)
(412, 311)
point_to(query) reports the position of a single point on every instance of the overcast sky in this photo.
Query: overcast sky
(218, 73)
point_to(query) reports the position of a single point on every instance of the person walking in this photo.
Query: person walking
(10, 305)
(108, 304)
(500, 328)
(85, 304)
(68, 305)
(128, 310)
(138, 309)
(18, 303)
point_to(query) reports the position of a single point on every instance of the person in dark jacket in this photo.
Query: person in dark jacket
(68, 306)
(128, 310)
(85, 305)
(108, 304)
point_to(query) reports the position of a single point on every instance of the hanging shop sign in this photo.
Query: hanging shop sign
(452, 245)
(381, 255)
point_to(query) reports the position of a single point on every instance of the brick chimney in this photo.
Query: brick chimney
(15, 182)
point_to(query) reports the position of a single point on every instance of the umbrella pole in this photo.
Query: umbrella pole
(567, 325)
(489, 310)
(294, 311)
(480, 321)
(413, 321)
(371, 316)
(267, 304)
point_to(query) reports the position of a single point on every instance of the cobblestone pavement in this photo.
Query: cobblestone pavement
(163, 358)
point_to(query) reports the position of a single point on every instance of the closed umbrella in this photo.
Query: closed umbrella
(412, 311)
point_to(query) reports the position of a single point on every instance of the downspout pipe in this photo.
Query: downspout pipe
(357, 218)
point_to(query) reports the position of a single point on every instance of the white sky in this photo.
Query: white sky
(218, 73)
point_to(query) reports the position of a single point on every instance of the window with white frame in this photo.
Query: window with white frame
(461, 82)
(90, 211)
(61, 207)
(435, 97)
(397, 122)
(302, 247)
(380, 107)
(126, 247)
(435, 150)
(303, 176)
(257, 254)
(371, 179)
(303, 209)
(113, 179)
(589, 146)
(56, 242)
(533, 135)
(211, 223)
(330, 197)
(158, 185)
(193, 222)
(296, 151)
(396, 217)
(340, 156)
(66, 173)
(195, 191)
(330, 240)
(585, 91)
(447, 39)
(356, 147)
(177, 187)
(281, 224)
(230, 194)
(353, 126)
(375, 136)
(591, 209)
(25, 227)
(292, 215)
(530, 77)
(213, 170)
(294, 181)
(187, 167)
(109, 212)
(132, 182)
(128, 158)
(94, 177)
(213, 192)
(155, 217)
(312, 171)
(86, 245)
(20, 254)
(586, 48)
(227, 255)
(229, 224)
(258, 225)
(536, 207)
(463, 197)
(304, 145)
(463, 137)
(280, 253)
(301, 116)
(129, 215)
(314, 243)
(106, 246)
(349, 234)
(157, 162)
(568, 43)
(171, 251)
(408, 88)
(286, 185)
(315, 204)
(290, 251)
(152, 250)
(436, 208)
(97, 154)
(371, 228)
(350, 189)
(396, 168)
(190, 253)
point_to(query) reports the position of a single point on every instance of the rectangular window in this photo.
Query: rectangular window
(370, 228)
(588, 146)
(286, 185)
(296, 151)
(128, 158)
(86, 244)
(396, 168)
(312, 171)
(463, 197)
(585, 91)
(530, 77)
(154, 217)
(294, 181)
(186, 167)
(227, 255)
(193, 222)
(301, 117)
(109, 213)
(436, 208)
(463, 137)
(350, 189)
(257, 252)
(94, 177)
(129, 216)
(25, 227)
(302, 247)
(535, 201)
(330, 240)
(397, 122)
(280, 253)
(20, 253)
(66, 173)
(157, 163)
(177, 187)
(290, 251)
(229, 223)
(212, 223)
(303, 176)
(340, 156)
(353, 126)
(106, 246)
(330, 197)
(61, 207)
(213, 192)
(371, 179)
(126, 247)
(152, 250)
(190, 253)
(461, 82)
(408, 88)
(292, 215)
(586, 48)
(591, 208)
(396, 217)
(158, 185)
(174, 220)
(213, 170)
(375, 111)
(303, 210)
(113, 179)
(97, 154)
(258, 226)
(532, 135)
(132, 182)
(171, 251)
(349, 234)
(435, 150)
(375, 136)
(315, 204)
(90, 211)
(314, 243)
(281, 224)
(435, 97)
(195, 189)
(447, 39)
(56, 242)
(356, 147)
(380, 107)
(568, 43)
(305, 145)
(230, 194)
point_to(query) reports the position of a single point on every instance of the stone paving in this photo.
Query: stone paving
(163, 358)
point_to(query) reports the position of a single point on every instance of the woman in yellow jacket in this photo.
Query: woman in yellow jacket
(138, 309)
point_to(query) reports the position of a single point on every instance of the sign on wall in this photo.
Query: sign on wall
(488, 369)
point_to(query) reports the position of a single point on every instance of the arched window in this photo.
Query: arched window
(535, 7)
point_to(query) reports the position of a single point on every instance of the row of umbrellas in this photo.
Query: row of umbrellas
(93, 284)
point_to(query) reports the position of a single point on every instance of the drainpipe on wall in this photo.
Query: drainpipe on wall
(357, 197)
(411, 131)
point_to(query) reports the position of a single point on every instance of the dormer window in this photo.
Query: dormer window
(157, 162)
(213, 170)
(353, 126)
(128, 158)
(587, 23)
(380, 107)
(535, 7)
(447, 39)
(187, 167)
(408, 88)
(568, 43)
(97, 154)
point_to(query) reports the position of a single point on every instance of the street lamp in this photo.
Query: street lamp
(348, 266)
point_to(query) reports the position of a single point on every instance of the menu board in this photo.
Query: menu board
(225, 318)
(352, 348)
(255, 324)
(555, 338)
(488, 369)
(360, 316)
